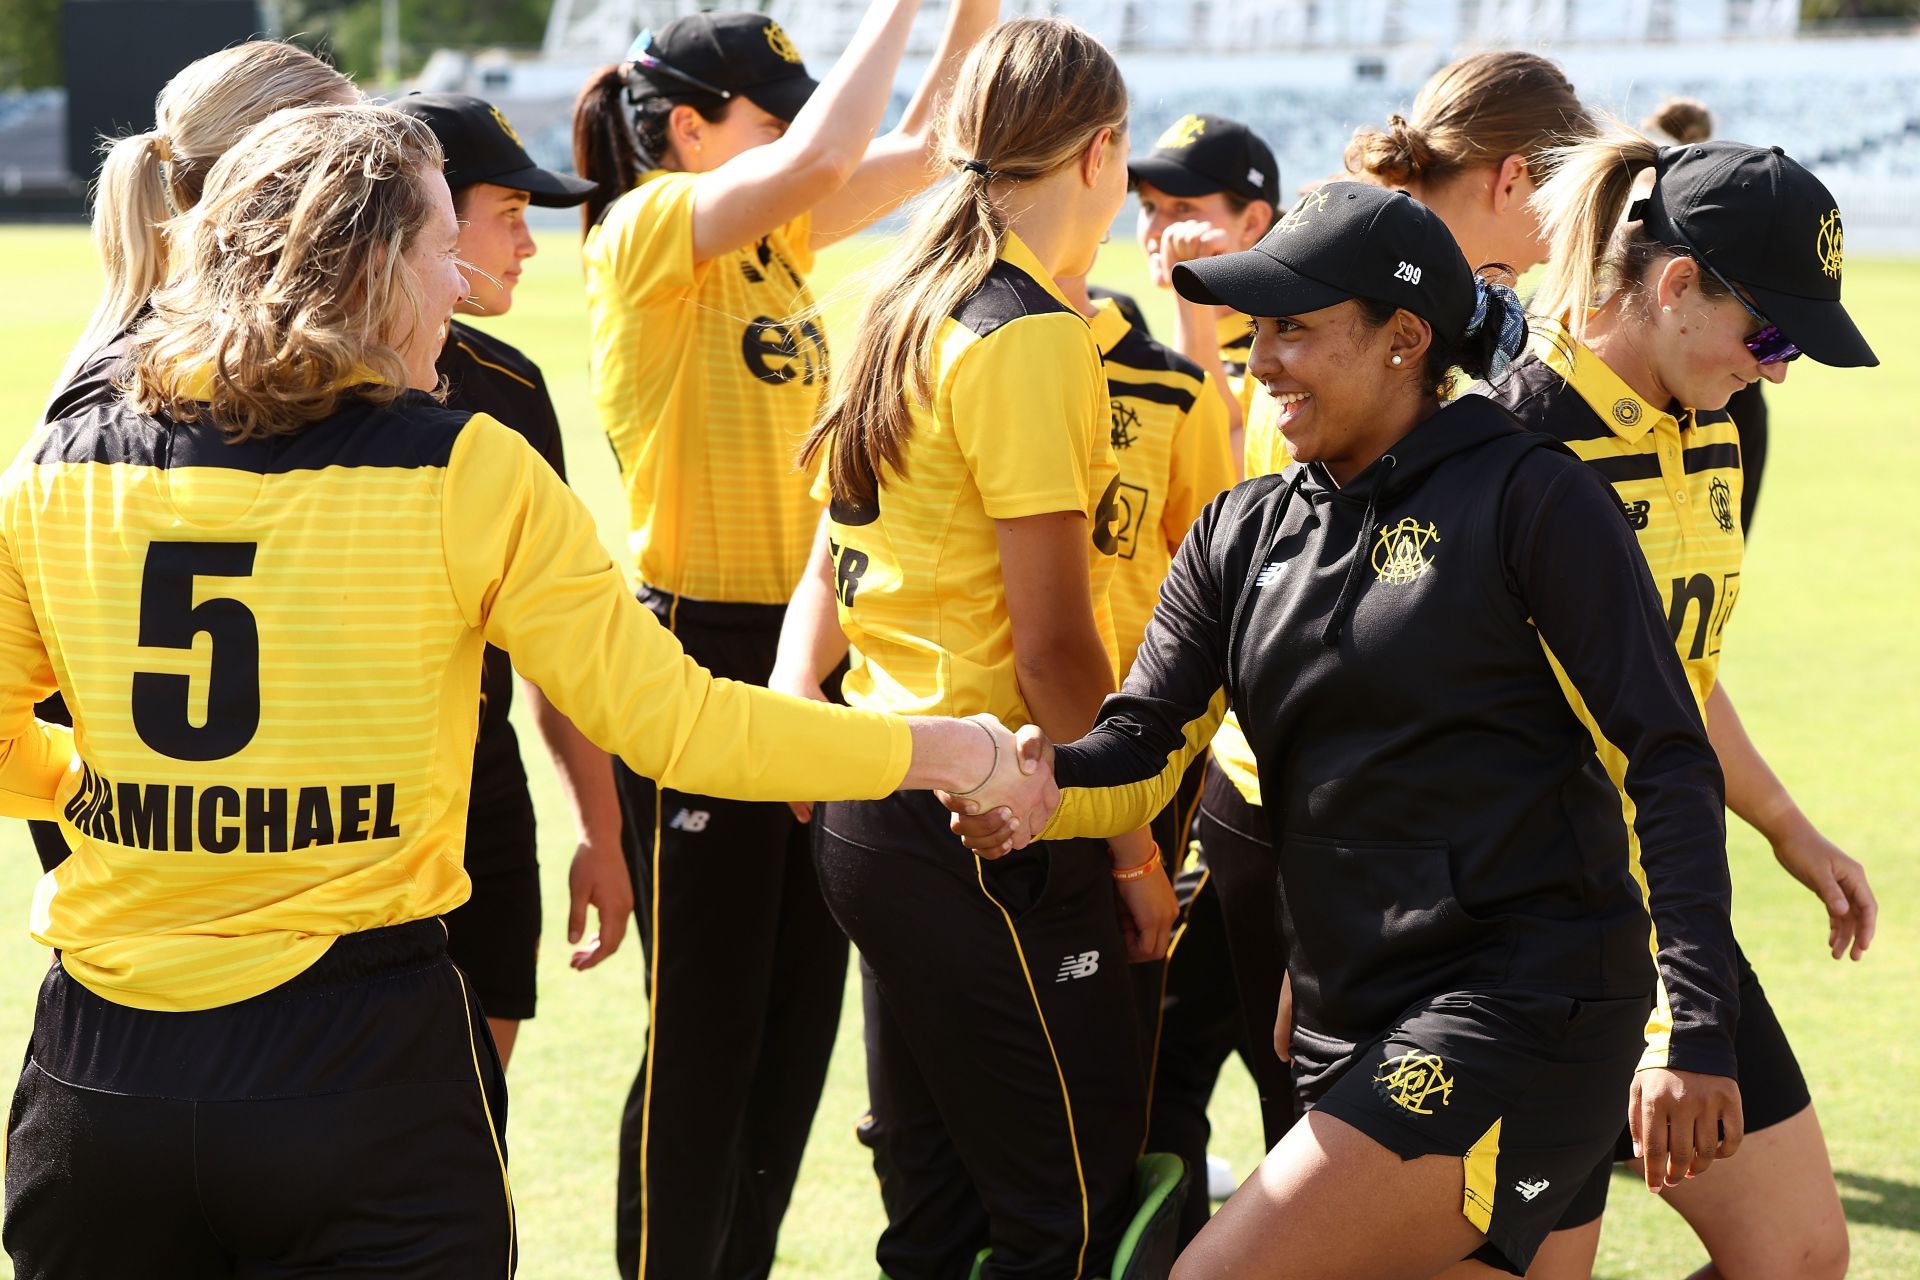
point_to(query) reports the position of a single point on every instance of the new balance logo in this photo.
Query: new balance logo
(1269, 573)
(1528, 1190)
(694, 820)
(1084, 965)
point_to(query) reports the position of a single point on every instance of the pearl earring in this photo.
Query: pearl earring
(1667, 310)
(1396, 359)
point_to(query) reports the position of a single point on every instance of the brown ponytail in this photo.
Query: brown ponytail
(615, 142)
(1474, 112)
(1682, 119)
(1031, 96)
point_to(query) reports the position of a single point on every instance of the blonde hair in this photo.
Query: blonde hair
(291, 283)
(149, 177)
(1682, 119)
(1477, 111)
(1592, 255)
(1030, 97)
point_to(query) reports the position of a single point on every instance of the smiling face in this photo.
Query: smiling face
(1341, 400)
(433, 263)
(494, 241)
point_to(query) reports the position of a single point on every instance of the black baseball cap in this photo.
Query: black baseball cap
(725, 54)
(1200, 154)
(1759, 218)
(481, 146)
(1344, 240)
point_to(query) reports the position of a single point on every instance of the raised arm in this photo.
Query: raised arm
(901, 163)
(769, 186)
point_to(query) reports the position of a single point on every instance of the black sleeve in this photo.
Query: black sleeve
(1127, 767)
(1573, 561)
(92, 383)
(552, 448)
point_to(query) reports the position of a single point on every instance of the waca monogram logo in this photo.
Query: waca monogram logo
(1183, 132)
(1413, 1080)
(1830, 243)
(1126, 425)
(779, 353)
(781, 43)
(1400, 552)
(1720, 499)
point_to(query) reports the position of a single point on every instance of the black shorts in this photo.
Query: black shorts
(494, 936)
(348, 1123)
(1523, 1086)
(1772, 1089)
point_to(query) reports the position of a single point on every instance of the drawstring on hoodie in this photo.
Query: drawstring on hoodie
(1344, 602)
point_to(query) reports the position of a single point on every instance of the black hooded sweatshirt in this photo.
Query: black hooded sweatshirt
(1442, 820)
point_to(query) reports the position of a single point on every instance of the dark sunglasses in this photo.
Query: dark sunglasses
(640, 54)
(1766, 344)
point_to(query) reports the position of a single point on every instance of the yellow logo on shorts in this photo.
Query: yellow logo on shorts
(1413, 1079)
(505, 127)
(1400, 552)
(781, 43)
(1183, 132)
(1830, 244)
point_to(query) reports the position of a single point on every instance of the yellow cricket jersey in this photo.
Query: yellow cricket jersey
(1264, 453)
(1169, 437)
(1235, 333)
(1678, 479)
(1018, 427)
(272, 655)
(707, 377)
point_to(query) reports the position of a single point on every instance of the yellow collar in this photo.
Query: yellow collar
(1016, 254)
(195, 380)
(1108, 324)
(1606, 393)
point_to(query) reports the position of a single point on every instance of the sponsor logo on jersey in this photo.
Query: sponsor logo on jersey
(1528, 1190)
(216, 819)
(1414, 1080)
(1637, 513)
(781, 43)
(1082, 965)
(1109, 520)
(778, 353)
(1626, 411)
(1269, 573)
(1400, 553)
(1830, 244)
(1720, 500)
(1183, 132)
(849, 566)
(693, 820)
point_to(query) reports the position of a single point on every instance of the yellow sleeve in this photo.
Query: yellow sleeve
(529, 572)
(645, 243)
(1100, 797)
(1202, 467)
(798, 235)
(34, 757)
(1027, 402)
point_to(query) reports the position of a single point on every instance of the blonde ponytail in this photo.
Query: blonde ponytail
(151, 177)
(1590, 255)
(1029, 99)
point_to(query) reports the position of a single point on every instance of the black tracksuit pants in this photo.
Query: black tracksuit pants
(1003, 1049)
(745, 975)
(1244, 871)
(349, 1123)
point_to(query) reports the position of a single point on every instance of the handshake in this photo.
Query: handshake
(1015, 800)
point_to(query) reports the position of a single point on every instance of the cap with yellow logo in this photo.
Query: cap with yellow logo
(722, 54)
(1199, 154)
(481, 146)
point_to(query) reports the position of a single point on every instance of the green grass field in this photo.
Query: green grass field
(1821, 659)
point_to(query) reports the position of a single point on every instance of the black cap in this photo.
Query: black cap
(1200, 154)
(482, 147)
(1760, 219)
(724, 54)
(1344, 240)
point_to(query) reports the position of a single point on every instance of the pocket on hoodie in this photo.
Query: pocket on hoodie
(1373, 925)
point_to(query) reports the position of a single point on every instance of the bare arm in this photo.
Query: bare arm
(811, 641)
(771, 185)
(900, 163)
(1758, 797)
(598, 876)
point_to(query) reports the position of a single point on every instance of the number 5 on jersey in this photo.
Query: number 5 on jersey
(169, 619)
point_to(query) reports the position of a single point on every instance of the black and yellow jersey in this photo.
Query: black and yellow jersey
(272, 653)
(1440, 817)
(1236, 345)
(1678, 482)
(1018, 427)
(1264, 453)
(486, 375)
(707, 377)
(1169, 438)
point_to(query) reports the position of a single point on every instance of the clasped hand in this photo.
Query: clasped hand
(1006, 811)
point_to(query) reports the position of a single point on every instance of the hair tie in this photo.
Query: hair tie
(977, 166)
(162, 146)
(1512, 334)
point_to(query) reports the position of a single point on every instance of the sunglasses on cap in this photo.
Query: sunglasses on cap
(640, 54)
(1766, 344)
